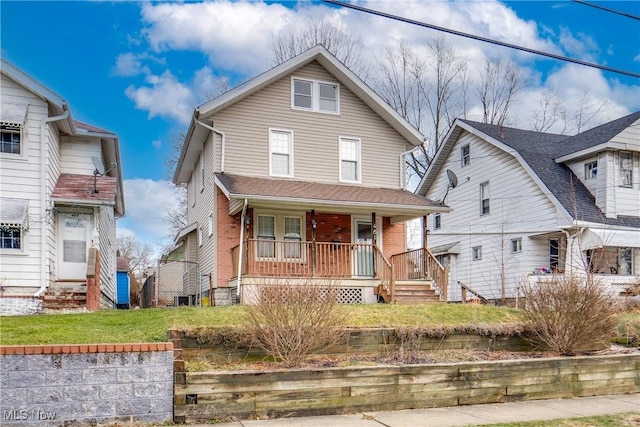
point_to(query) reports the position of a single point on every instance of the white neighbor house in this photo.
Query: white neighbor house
(529, 203)
(53, 207)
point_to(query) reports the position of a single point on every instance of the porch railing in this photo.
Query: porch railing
(420, 264)
(273, 258)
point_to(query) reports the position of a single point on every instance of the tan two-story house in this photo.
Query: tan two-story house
(299, 174)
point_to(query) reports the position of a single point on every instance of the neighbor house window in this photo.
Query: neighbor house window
(476, 253)
(465, 155)
(10, 136)
(280, 153)
(437, 221)
(516, 245)
(626, 169)
(484, 198)
(591, 170)
(350, 159)
(315, 96)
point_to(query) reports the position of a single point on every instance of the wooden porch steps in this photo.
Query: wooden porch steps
(411, 292)
(65, 296)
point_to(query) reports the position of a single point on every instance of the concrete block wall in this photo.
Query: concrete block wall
(55, 385)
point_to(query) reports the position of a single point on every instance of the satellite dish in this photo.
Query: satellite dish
(453, 182)
(453, 179)
(97, 163)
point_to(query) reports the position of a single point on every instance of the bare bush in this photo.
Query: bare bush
(569, 314)
(290, 321)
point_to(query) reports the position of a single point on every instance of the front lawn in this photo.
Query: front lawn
(150, 325)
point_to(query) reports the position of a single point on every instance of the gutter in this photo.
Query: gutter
(219, 132)
(403, 175)
(242, 227)
(44, 232)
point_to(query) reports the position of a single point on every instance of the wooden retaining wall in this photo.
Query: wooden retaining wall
(301, 392)
(360, 341)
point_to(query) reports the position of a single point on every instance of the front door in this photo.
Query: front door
(364, 249)
(74, 232)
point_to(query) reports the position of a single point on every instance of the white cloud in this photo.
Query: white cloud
(129, 65)
(156, 143)
(147, 202)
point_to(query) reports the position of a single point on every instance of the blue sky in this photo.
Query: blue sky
(139, 69)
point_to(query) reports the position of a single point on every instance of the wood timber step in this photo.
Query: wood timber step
(411, 292)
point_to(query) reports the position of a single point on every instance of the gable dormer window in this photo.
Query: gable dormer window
(313, 95)
(591, 170)
(626, 169)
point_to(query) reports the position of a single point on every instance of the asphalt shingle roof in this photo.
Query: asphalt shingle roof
(540, 150)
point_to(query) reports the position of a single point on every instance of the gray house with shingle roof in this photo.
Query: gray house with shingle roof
(298, 175)
(528, 203)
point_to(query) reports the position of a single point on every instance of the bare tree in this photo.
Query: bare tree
(139, 255)
(500, 83)
(587, 112)
(550, 111)
(343, 44)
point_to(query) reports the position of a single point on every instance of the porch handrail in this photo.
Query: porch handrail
(421, 264)
(384, 272)
(464, 288)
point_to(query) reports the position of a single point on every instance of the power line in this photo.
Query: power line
(617, 12)
(482, 39)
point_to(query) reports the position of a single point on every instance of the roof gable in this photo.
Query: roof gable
(196, 134)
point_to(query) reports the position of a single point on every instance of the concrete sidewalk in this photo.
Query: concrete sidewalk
(465, 415)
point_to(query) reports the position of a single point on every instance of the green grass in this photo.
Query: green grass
(150, 325)
(618, 420)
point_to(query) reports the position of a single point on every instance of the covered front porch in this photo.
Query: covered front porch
(351, 238)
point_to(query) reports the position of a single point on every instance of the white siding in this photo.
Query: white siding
(518, 209)
(316, 135)
(106, 225)
(76, 155)
(627, 200)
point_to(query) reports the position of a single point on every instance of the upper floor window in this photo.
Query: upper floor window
(437, 221)
(280, 153)
(516, 245)
(10, 138)
(465, 155)
(591, 170)
(626, 169)
(476, 253)
(315, 96)
(484, 198)
(350, 165)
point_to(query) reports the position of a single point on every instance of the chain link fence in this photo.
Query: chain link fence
(174, 284)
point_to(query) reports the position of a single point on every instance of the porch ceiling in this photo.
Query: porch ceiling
(290, 194)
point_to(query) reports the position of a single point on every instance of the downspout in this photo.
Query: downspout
(219, 132)
(44, 232)
(242, 227)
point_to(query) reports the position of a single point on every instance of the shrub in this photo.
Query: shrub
(290, 321)
(569, 314)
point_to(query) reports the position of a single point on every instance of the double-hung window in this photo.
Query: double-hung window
(10, 136)
(315, 95)
(591, 170)
(292, 237)
(465, 155)
(626, 169)
(280, 153)
(13, 224)
(484, 198)
(350, 164)
(12, 119)
(266, 234)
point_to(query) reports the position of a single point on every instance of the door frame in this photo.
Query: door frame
(62, 270)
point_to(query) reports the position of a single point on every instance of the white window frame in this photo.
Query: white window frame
(23, 239)
(193, 190)
(202, 171)
(342, 140)
(476, 253)
(272, 132)
(591, 170)
(437, 221)
(516, 245)
(485, 195)
(279, 233)
(625, 164)
(465, 159)
(315, 95)
(210, 224)
(200, 238)
(21, 143)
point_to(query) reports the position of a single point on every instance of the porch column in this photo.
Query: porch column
(314, 226)
(374, 229)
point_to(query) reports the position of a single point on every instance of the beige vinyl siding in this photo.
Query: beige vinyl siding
(76, 155)
(518, 209)
(20, 179)
(315, 135)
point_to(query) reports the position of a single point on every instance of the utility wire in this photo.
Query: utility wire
(482, 39)
(617, 12)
